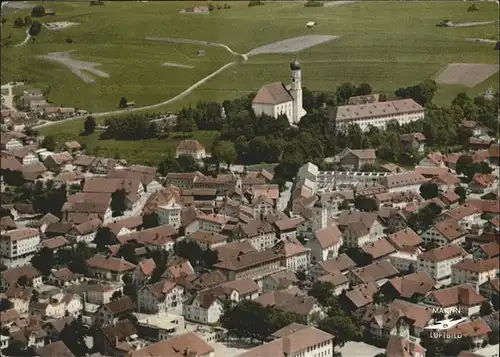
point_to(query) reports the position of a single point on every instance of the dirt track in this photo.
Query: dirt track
(466, 74)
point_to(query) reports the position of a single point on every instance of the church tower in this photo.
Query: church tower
(296, 92)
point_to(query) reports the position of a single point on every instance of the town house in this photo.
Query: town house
(445, 232)
(182, 179)
(10, 277)
(433, 159)
(162, 296)
(206, 306)
(341, 263)
(406, 181)
(207, 222)
(355, 159)
(109, 268)
(109, 314)
(170, 213)
(474, 272)
(412, 287)
(176, 347)
(400, 318)
(58, 306)
(84, 232)
(287, 228)
(305, 308)
(478, 330)
(10, 142)
(57, 162)
(325, 243)
(459, 298)
(359, 228)
(192, 148)
(20, 298)
(467, 215)
(380, 250)
(18, 246)
(260, 233)
(295, 340)
(254, 265)
(26, 155)
(482, 183)
(438, 262)
(295, 257)
(378, 273)
(413, 142)
(338, 281)
(262, 206)
(64, 277)
(143, 271)
(278, 281)
(313, 218)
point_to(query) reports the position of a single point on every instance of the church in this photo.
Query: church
(277, 98)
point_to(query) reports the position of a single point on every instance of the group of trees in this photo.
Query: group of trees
(74, 259)
(131, 127)
(249, 319)
(38, 11)
(22, 22)
(340, 321)
(183, 163)
(466, 166)
(198, 257)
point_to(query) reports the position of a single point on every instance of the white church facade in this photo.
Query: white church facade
(277, 98)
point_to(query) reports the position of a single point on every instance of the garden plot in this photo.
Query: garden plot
(61, 25)
(176, 65)
(76, 66)
(466, 74)
(292, 45)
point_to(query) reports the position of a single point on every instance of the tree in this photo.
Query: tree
(117, 295)
(44, 261)
(103, 238)
(422, 93)
(38, 11)
(35, 28)
(73, 335)
(89, 125)
(365, 204)
(118, 203)
(462, 192)
(463, 163)
(49, 143)
(344, 92)
(5, 305)
(322, 292)
(27, 20)
(185, 125)
(429, 190)
(485, 309)
(150, 220)
(189, 250)
(340, 326)
(187, 163)
(23, 281)
(364, 89)
(123, 102)
(225, 151)
(18, 22)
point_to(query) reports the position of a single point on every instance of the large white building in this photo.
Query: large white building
(377, 114)
(437, 263)
(277, 98)
(18, 246)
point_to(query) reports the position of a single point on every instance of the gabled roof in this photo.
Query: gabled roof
(274, 93)
(460, 294)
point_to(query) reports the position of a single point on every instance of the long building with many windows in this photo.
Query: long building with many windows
(377, 114)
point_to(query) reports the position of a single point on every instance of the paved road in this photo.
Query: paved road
(28, 36)
(153, 106)
(285, 197)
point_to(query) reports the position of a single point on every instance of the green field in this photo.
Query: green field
(386, 44)
(149, 151)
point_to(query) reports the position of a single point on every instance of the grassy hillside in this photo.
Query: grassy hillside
(388, 45)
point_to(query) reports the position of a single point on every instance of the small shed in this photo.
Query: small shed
(311, 24)
(200, 52)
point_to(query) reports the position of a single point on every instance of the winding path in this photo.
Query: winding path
(28, 36)
(152, 106)
(197, 42)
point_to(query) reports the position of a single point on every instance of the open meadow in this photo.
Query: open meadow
(386, 44)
